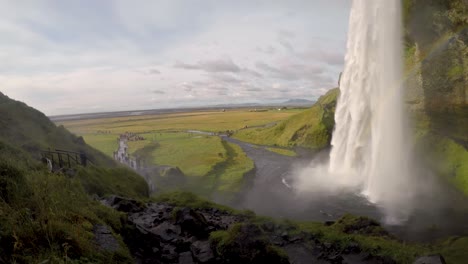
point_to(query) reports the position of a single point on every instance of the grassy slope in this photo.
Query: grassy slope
(312, 128)
(48, 217)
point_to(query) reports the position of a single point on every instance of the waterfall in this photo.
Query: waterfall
(369, 144)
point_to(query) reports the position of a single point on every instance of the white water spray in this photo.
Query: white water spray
(369, 141)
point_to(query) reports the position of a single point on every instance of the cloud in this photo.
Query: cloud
(158, 92)
(153, 71)
(291, 71)
(218, 65)
(122, 55)
(329, 57)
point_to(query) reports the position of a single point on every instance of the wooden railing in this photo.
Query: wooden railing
(64, 158)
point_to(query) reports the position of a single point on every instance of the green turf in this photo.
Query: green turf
(284, 152)
(311, 128)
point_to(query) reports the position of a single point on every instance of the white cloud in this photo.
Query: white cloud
(66, 57)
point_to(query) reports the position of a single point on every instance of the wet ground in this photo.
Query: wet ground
(271, 194)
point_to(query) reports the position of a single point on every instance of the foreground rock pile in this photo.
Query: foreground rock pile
(163, 233)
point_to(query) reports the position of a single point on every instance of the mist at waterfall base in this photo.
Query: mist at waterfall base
(371, 153)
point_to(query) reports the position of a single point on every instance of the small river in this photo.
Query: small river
(271, 195)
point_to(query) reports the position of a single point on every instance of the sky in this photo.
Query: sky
(68, 57)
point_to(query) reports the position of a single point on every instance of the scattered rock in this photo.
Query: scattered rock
(166, 231)
(202, 252)
(104, 238)
(186, 258)
(192, 222)
(432, 259)
(169, 253)
(123, 204)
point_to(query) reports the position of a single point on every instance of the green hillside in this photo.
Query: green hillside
(311, 128)
(50, 217)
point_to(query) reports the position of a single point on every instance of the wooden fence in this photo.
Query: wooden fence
(63, 158)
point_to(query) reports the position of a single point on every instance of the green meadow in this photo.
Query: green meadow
(210, 165)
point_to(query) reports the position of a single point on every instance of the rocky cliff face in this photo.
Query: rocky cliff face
(437, 55)
(437, 83)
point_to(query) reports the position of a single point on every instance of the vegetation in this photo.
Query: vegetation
(311, 128)
(49, 217)
(283, 151)
(237, 242)
(213, 121)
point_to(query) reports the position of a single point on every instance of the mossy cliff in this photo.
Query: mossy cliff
(437, 83)
(310, 129)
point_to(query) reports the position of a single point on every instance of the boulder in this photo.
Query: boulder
(104, 238)
(202, 252)
(166, 231)
(432, 259)
(192, 222)
(124, 204)
(186, 258)
(169, 253)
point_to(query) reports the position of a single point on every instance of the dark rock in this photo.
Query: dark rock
(432, 259)
(192, 222)
(202, 252)
(104, 238)
(169, 253)
(268, 226)
(295, 238)
(352, 247)
(124, 204)
(335, 259)
(186, 258)
(277, 241)
(166, 231)
(329, 223)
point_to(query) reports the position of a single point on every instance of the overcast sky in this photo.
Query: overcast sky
(65, 57)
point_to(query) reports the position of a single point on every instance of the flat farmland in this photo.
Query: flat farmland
(208, 162)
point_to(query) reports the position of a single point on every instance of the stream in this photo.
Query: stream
(271, 195)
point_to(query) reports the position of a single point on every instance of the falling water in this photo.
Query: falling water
(369, 141)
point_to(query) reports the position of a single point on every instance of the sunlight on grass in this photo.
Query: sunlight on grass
(284, 152)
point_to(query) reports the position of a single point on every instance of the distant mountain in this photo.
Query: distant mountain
(299, 102)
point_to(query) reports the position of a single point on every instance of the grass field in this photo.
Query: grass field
(282, 151)
(211, 165)
(213, 121)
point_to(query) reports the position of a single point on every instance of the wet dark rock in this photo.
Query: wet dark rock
(169, 253)
(335, 259)
(186, 258)
(104, 238)
(202, 252)
(432, 259)
(123, 204)
(161, 233)
(295, 238)
(192, 222)
(351, 248)
(268, 226)
(166, 231)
